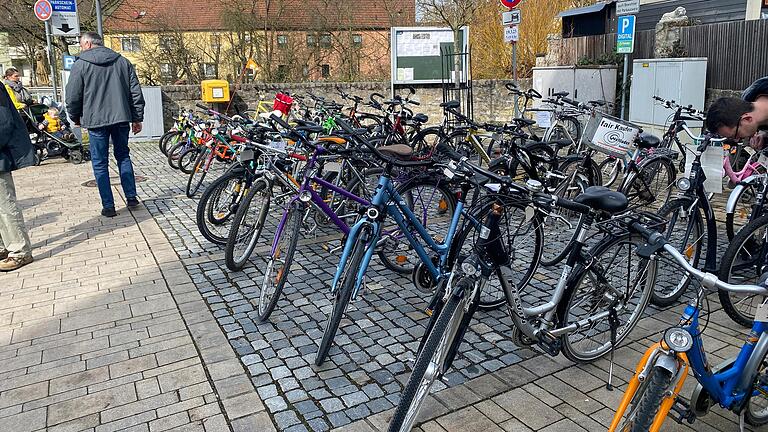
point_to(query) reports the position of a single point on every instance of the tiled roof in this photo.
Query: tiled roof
(149, 15)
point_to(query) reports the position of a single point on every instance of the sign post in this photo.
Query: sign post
(512, 35)
(44, 11)
(625, 44)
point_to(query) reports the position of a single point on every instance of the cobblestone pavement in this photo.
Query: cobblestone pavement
(149, 277)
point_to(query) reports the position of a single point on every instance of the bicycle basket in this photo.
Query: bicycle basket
(610, 135)
(283, 103)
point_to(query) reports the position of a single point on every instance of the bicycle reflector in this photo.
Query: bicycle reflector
(678, 339)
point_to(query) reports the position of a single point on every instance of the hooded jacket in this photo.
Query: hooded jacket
(16, 150)
(103, 90)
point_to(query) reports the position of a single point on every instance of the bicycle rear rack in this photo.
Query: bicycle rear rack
(619, 225)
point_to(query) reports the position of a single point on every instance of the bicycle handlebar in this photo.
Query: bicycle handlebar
(404, 164)
(214, 113)
(708, 280)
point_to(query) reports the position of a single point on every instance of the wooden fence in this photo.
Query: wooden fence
(737, 50)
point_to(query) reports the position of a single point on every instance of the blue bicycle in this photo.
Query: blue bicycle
(368, 233)
(739, 384)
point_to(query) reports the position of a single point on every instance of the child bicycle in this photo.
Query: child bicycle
(739, 385)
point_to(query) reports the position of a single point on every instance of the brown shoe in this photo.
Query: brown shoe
(14, 263)
(4, 255)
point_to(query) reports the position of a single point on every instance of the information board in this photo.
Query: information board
(417, 54)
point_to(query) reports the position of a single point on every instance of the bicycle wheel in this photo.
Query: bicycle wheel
(743, 263)
(616, 279)
(431, 361)
(279, 264)
(651, 186)
(544, 162)
(433, 203)
(187, 160)
(202, 164)
(247, 225)
(168, 140)
(756, 410)
(426, 140)
(175, 153)
(647, 401)
(343, 294)
(561, 226)
(611, 168)
(742, 211)
(685, 232)
(217, 206)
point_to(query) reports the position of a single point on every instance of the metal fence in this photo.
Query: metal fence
(737, 51)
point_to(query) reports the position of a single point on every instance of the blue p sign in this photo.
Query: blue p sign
(625, 34)
(68, 61)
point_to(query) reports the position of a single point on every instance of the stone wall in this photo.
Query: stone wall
(713, 94)
(491, 99)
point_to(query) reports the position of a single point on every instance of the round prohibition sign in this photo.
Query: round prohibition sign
(43, 10)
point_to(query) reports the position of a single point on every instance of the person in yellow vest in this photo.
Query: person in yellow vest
(55, 126)
(19, 94)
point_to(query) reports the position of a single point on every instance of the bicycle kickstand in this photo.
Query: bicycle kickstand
(613, 322)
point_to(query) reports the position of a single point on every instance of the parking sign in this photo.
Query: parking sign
(625, 34)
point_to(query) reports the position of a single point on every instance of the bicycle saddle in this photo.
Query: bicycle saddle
(558, 144)
(524, 121)
(420, 118)
(309, 128)
(450, 104)
(646, 141)
(400, 151)
(560, 94)
(602, 198)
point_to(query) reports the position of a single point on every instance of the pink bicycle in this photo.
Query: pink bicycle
(747, 183)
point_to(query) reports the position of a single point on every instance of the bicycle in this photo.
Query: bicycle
(367, 232)
(218, 148)
(746, 200)
(736, 385)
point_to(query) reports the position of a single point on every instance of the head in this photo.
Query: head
(89, 40)
(733, 118)
(53, 112)
(12, 74)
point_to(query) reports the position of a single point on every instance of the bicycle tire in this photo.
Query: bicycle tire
(422, 144)
(197, 176)
(167, 140)
(343, 294)
(174, 153)
(617, 168)
(437, 345)
(236, 261)
(671, 211)
(752, 418)
(187, 160)
(647, 401)
(291, 232)
(560, 234)
(406, 258)
(576, 299)
(205, 216)
(517, 171)
(754, 262)
(639, 187)
(734, 223)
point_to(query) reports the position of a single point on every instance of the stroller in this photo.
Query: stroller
(51, 144)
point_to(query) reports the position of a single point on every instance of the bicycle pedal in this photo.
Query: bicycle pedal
(332, 249)
(549, 343)
(683, 411)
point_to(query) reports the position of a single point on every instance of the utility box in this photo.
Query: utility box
(215, 91)
(680, 79)
(583, 83)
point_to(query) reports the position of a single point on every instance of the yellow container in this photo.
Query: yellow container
(215, 90)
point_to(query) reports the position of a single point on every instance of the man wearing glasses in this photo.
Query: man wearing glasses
(747, 117)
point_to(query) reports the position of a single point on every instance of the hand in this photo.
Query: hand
(76, 122)
(136, 127)
(758, 140)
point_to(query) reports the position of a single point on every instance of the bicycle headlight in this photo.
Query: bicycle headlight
(678, 339)
(683, 183)
(305, 197)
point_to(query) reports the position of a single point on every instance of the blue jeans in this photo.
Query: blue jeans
(99, 138)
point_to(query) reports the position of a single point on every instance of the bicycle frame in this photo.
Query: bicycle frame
(698, 197)
(748, 169)
(389, 199)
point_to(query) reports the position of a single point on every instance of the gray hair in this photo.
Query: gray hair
(93, 38)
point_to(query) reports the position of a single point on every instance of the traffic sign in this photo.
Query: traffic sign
(510, 3)
(64, 19)
(625, 34)
(43, 10)
(627, 7)
(511, 34)
(68, 61)
(512, 17)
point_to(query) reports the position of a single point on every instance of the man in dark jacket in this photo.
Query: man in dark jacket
(16, 152)
(104, 96)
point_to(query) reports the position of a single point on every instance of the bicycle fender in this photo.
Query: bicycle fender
(733, 197)
(751, 368)
(667, 362)
(351, 239)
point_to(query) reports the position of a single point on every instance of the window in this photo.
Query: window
(282, 41)
(208, 70)
(167, 72)
(130, 44)
(311, 40)
(357, 40)
(325, 40)
(326, 70)
(215, 41)
(167, 43)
